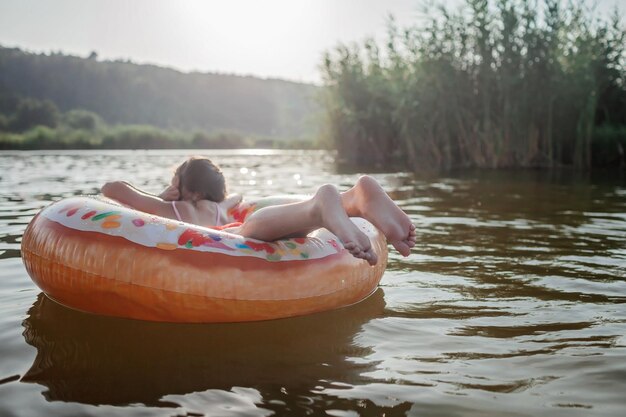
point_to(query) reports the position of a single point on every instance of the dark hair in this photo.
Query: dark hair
(200, 175)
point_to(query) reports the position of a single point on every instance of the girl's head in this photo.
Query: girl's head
(200, 179)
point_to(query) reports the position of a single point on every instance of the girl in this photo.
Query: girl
(197, 194)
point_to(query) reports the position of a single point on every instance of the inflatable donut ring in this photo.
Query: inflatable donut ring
(96, 256)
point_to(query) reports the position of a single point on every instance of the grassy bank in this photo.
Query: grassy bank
(92, 133)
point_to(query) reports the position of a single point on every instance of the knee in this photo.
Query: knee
(327, 188)
(325, 192)
(365, 180)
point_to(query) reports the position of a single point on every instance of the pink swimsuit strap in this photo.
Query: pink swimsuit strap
(218, 212)
(176, 210)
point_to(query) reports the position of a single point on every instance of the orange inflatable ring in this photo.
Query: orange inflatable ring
(96, 256)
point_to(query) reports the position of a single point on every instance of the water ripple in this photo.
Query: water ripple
(512, 302)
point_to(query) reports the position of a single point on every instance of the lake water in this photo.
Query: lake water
(513, 302)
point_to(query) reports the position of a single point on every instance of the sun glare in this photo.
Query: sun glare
(248, 34)
(239, 23)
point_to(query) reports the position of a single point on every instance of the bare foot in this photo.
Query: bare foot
(377, 207)
(327, 202)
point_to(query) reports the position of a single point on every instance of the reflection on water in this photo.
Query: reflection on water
(513, 302)
(101, 360)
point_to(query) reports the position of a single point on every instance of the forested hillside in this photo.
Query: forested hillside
(127, 93)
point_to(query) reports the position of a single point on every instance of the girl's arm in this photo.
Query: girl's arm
(231, 201)
(171, 193)
(140, 200)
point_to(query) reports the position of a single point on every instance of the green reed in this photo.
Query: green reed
(495, 84)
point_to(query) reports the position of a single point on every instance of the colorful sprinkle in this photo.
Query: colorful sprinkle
(262, 246)
(88, 215)
(71, 212)
(110, 225)
(171, 226)
(193, 238)
(240, 214)
(138, 222)
(105, 214)
(166, 246)
(334, 244)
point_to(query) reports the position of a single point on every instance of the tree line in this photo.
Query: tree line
(124, 93)
(503, 83)
(31, 124)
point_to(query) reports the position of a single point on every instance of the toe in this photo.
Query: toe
(402, 247)
(354, 249)
(349, 246)
(371, 257)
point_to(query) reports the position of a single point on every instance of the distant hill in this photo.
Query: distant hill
(122, 92)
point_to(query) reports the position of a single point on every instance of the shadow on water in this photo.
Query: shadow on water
(100, 360)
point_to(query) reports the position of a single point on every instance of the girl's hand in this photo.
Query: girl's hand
(171, 193)
(231, 201)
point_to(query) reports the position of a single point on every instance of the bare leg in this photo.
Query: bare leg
(325, 209)
(367, 199)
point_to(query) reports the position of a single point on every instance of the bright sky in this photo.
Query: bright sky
(266, 38)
